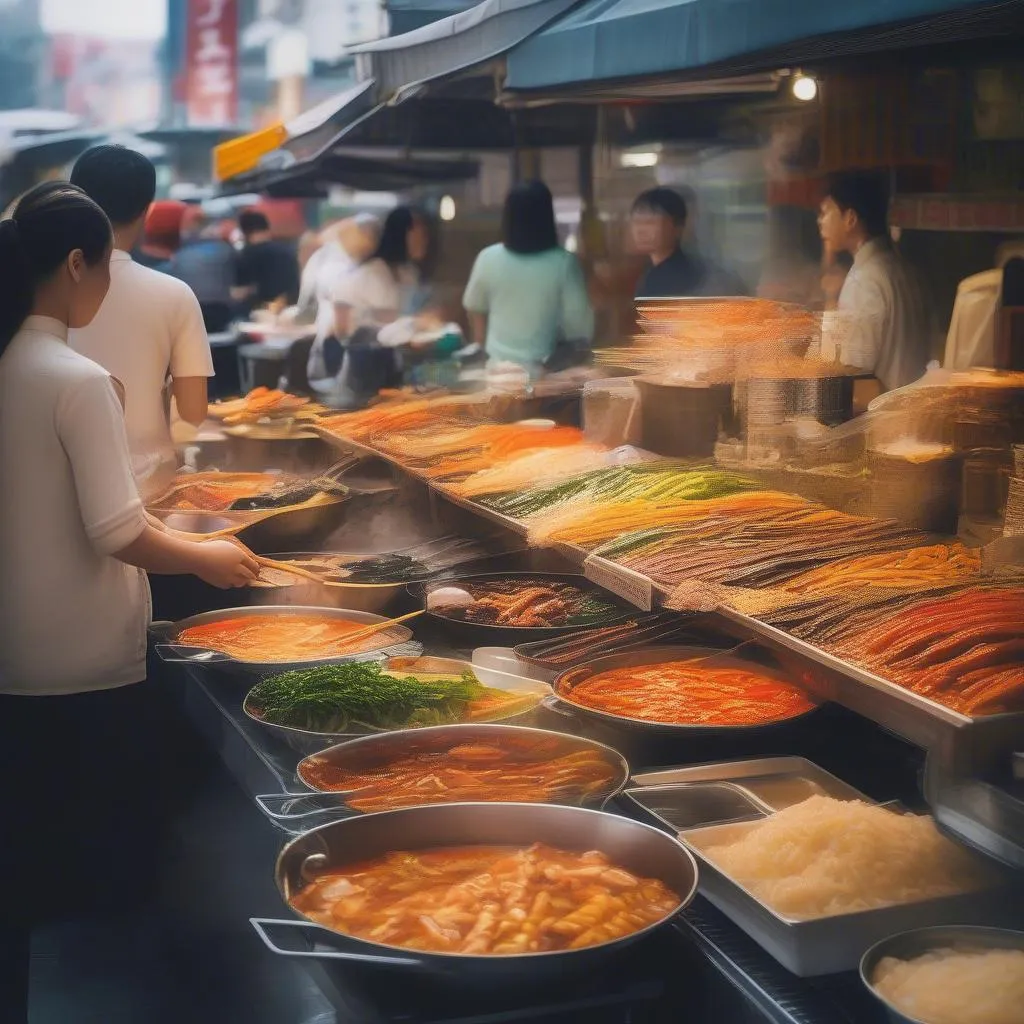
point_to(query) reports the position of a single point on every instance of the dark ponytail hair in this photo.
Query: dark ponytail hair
(49, 221)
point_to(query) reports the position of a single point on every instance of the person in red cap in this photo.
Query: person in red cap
(161, 235)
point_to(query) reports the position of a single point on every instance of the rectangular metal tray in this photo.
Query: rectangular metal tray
(807, 948)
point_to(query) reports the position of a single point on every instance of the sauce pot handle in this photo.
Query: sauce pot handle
(313, 935)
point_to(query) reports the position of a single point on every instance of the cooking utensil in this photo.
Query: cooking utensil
(309, 741)
(372, 751)
(568, 680)
(171, 651)
(587, 644)
(636, 847)
(912, 944)
(485, 635)
(294, 570)
(361, 634)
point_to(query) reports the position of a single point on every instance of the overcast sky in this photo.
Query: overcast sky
(125, 19)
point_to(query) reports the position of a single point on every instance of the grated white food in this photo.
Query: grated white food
(956, 986)
(825, 856)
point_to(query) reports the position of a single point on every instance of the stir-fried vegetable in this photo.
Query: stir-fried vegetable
(340, 698)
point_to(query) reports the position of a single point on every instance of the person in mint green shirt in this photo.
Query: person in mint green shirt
(527, 294)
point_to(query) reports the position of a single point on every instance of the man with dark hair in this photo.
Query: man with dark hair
(149, 326)
(883, 325)
(657, 222)
(267, 269)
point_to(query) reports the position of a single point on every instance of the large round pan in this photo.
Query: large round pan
(366, 597)
(921, 941)
(308, 741)
(169, 650)
(373, 751)
(638, 848)
(567, 680)
(485, 635)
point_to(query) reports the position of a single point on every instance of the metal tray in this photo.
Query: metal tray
(392, 640)
(924, 722)
(808, 948)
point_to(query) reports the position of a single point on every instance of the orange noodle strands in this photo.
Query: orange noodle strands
(280, 637)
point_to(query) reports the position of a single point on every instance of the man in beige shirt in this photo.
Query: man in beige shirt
(883, 325)
(150, 325)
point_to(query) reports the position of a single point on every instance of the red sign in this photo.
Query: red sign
(211, 62)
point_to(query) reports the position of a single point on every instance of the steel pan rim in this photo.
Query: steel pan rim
(656, 653)
(421, 590)
(249, 611)
(892, 946)
(685, 856)
(612, 756)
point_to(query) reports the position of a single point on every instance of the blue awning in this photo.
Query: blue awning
(610, 39)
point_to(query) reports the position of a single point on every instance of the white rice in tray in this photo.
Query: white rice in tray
(825, 856)
(956, 986)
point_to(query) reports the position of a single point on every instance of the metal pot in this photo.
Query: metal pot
(364, 597)
(374, 750)
(566, 681)
(912, 944)
(308, 741)
(484, 635)
(392, 639)
(638, 848)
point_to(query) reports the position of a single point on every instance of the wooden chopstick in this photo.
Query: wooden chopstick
(295, 570)
(378, 627)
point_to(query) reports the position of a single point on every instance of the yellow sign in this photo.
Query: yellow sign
(237, 156)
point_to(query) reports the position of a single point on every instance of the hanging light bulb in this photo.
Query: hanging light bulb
(805, 88)
(446, 208)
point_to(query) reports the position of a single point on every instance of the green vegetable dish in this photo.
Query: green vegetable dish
(362, 697)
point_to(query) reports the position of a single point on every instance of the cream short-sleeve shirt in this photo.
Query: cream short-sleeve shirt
(72, 617)
(149, 326)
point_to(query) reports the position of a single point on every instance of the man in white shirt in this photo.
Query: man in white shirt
(150, 325)
(883, 325)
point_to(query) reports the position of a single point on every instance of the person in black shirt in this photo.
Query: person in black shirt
(267, 269)
(657, 222)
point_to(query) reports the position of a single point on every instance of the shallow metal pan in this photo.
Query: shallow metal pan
(486, 635)
(392, 639)
(565, 682)
(365, 597)
(629, 844)
(912, 944)
(369, 751)
(308, 741)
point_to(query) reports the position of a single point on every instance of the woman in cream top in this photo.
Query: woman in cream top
(74, 537)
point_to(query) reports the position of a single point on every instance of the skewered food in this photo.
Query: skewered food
(825, 856)
(528, 770)
(346, 698)
(530, 603)
(282, 637)
(486, 900)
(262, 403)
(532, 470)
(699, 694)
(912, 569)
(958, 985)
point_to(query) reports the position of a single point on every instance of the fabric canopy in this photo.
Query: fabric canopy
(609, 39)
(453, 44)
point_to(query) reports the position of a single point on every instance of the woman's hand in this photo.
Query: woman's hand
(226, 564)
